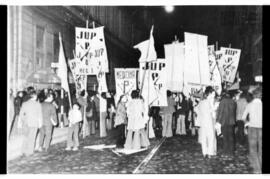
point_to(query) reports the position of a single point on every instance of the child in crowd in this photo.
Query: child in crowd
(74, 117)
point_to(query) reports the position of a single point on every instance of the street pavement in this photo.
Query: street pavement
(177, 155)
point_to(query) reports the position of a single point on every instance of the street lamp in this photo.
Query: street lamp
(169, 9)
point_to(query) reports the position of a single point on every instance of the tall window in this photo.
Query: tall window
(39, 46)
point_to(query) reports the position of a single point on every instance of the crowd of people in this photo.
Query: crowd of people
(232, 117)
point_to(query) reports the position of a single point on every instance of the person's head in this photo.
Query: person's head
(135, 94)
(41, 96)
(20, 94)
(33, 95)
(257, 93)
(82, 93)
(76, 106)
(209, 92)
(30, 89)
(49, 98)
(46, 91)
(108, 95)
(103, 95)
(169, 93)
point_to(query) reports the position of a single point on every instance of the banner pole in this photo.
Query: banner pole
(74, 54)
(86, 24)
(152, 29)
(62, 108)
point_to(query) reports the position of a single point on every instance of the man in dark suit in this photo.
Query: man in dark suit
(226, 116)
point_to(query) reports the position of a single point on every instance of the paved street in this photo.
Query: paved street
(176, 155)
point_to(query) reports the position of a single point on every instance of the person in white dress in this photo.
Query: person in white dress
(206, 118)
(136, 135)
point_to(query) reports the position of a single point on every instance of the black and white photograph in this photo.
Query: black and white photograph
(134, 89)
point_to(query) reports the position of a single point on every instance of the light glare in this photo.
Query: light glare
(169, 9)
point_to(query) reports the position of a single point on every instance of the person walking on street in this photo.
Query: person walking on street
(30, 120)
(91, 113)
(74, 117)
(103, 115)
(241, 104)
(182, 107)
(82, 101)
(49, 120)
(167, 113)
(254, 110)
(226, 117)
(120, 121)
(206, 119)
(136, 136)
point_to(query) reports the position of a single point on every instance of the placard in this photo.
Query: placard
(91, 50)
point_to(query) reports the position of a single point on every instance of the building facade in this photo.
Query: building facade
(33, 40)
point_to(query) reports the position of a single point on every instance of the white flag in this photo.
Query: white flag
(62, 69)
(147, 49)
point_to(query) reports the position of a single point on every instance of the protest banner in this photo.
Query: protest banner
(79, 80)
(91, 50)
(125, 81)
(102, 84)
(196, 66)
(155, 88)
(215, 77)
(229, 63)
(174, 54)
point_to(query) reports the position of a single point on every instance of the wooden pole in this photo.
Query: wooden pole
(74, 54)
(62, 108)
(86, 24)
(152, 29)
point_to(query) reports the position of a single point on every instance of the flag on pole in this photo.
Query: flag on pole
(62, 69)
(147, 49)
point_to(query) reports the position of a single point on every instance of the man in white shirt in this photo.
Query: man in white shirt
(254, 110)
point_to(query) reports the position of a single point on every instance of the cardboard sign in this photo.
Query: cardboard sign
(80, 80)
(215, 77)
(229, 63)
(125, 80)
(91, 50)
(196, 59)
(175, 59)
(102, 84)
(155, 87)
(196, 70)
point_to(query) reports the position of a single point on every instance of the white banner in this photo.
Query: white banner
(80, 80)
(215, 77)
(229, 63)
(175, 59)
(102, 84)
(196, 70)
(154, 89)
(196, 59)
(125, 81)
(91, 50)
